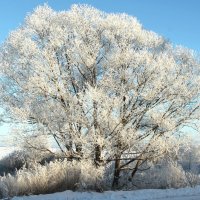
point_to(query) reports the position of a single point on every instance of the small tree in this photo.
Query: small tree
(99, 84)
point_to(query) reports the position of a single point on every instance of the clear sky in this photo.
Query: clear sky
(176, 20)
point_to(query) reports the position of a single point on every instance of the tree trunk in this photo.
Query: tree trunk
(115, 183)
(98, 155)
(135, 170)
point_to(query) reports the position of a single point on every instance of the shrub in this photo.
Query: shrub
(18, 158)
(12, 162)
(53, 177)
(166, 174)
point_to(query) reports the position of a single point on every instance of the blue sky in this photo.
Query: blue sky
(176, 20)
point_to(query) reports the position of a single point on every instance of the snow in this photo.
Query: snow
(169, 194)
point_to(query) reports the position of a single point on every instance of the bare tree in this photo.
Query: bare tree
(99, 84)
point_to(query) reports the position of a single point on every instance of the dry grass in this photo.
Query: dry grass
(53, 177)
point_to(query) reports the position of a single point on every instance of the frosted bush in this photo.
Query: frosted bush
(166, 174)
(53, 177)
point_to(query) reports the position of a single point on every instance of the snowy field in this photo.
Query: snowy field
(170, 194)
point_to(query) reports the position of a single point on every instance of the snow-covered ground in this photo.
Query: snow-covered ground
(169, 194)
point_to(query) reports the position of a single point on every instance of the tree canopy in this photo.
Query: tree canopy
(99, 84)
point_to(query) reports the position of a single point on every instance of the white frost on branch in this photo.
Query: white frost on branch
(99, 84)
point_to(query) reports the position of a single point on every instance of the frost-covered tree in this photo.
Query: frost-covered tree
(99, 84)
